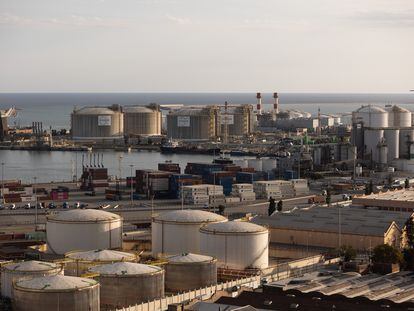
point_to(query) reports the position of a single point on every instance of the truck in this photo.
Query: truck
(317, 199)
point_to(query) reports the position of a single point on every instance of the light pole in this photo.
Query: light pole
(2, 183)
(132, 196)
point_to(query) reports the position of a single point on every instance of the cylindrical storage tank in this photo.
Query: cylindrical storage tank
(242, 163)
(370, 116)
(58, 292)
(268, 165)
(97, 123)
(189, 271)
(238, 120)
(177, 232)
(83, 229)
(24, 270)
(399, 117)
(141, 120)
(236, 244)
(382, 153)
(193, 123)
(372, 137)
(80, 262)
(257, 164)
(392, 140)
(406, 140)
(124, 284)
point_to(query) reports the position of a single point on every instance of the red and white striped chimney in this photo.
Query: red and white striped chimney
(259, 103)
(276, 103)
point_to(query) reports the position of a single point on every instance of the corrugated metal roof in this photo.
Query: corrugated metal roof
(84, 215)
(56, 282)
(190, 216)
(124, 268)
(101, 255)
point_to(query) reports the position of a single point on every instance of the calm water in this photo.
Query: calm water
(53, 109)
(57, 165)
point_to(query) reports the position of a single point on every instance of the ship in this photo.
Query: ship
(174, 147)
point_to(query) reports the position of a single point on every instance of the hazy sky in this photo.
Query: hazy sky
(214, 45)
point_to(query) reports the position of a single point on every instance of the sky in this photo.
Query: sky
(206, 46)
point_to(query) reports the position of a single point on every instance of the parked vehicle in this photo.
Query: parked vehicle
(65, 205)
(52, 205)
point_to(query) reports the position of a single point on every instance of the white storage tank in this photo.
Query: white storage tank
(236, 244)
(372, 137)
(142, 120)
(399, 117)
(58, 292)
(177, 232)
(124, 284)
(268, 165)
(189, 271)
(370, 116)
(24, 270)
(406, 140)
(257, 164)
(80, 262)
(83, 229)
(392, 140)
(98, 123)
(241, 162)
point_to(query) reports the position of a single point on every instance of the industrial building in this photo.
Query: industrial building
(397, 200)
(142, 120)
(295, 233)
(194, 123)
(97, 124)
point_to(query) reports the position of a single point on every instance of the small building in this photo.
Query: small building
(295, 234)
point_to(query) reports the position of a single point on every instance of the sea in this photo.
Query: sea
(54, 109)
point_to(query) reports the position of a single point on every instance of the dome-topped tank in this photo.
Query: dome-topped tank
(142, 120)
(56, 292)
(190, 271)
(371, 116)
(24, 270)
(125, 283)
(82, 261)
(399, 117)
(236, 244)
(83, 229)
(177, 231)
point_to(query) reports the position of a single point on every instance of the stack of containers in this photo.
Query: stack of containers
(169, 167)
(150, 182)
(202, 169)
(178, 180)
(94, 178)
(249, 177)
(215, 194)
(197, 194)
(15, 192)
(244, 192)
(223, 178)
(276, 189)
(59, 194)
(300, 186)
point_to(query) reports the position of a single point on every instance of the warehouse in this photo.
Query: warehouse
(398, 200)
(294, 234)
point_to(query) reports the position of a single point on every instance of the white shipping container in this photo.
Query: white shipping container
(232, 199)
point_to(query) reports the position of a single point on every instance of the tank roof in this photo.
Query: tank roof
(400, 109)
(138, 109)
(101, 255)
(125, 268)
(189, 258)
(94, 110)
(191, 111)
(31, 265)
(55, 283)
(233, 227)
(190, 216)
(372, 109)
(84, 215)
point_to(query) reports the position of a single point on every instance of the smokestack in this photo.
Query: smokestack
(276, 103)
(259, 103)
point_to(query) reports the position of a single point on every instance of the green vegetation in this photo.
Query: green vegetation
(387, 254)
(280, 206)
(272, 206)
(347, 252)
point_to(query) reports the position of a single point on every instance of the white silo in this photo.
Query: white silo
(83, 229)
(370, 116)
(382, 152)
(142, 120)
(256, 164)
(24, 270)
(268, 165)
(79, 262)
(406, 140)
(392, 140)
(372, 137)
(236, 244)
(124, 284)
(190, 271)
(399, 117)
(177, 231)
(58, 292)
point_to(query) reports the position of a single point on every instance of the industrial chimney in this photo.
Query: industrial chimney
(276, 103)
(259, 103)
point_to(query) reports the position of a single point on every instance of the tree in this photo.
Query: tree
(347, 252)
(409, 232)
(369, 188)
(407, 183)
(328, 199)
(279, 206)
(387, 254)
(409, 258)
(221, 209)
(272, 206)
